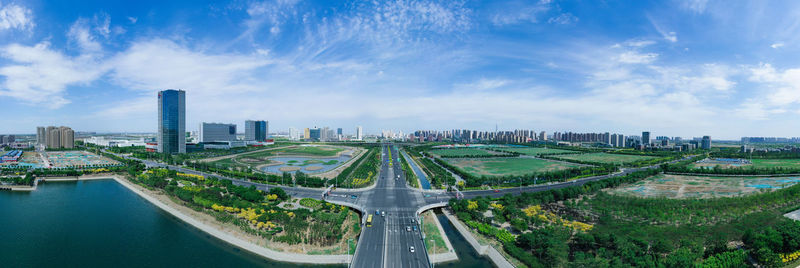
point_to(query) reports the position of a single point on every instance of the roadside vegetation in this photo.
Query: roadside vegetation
(255, 212)
(582, 226)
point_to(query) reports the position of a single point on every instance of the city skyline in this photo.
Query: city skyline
(551, 65)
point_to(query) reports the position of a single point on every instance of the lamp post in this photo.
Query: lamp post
(434, 251)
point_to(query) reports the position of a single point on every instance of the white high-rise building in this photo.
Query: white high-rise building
(359, 133)
(294, 134)
(211, 132)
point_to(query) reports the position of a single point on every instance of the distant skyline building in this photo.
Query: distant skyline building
(41, 135)
(706, 143)
(211, 132)
(256, 130)
(359, 133)
(294, 134)
(645, 138)
(307, 133)
(56, 137)
(314, 134)
(171, 136)
(339, 131)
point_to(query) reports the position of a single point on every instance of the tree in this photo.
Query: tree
(279, 192)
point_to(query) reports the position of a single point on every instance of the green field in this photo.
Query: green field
(605, 158)
(507, 165)
(309, 150)
(772, 163)
(463, 152)
(537, 151)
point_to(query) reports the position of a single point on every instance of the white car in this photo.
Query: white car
(411, 249)
(408, 228)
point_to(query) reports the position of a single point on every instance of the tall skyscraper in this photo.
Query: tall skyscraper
(339, 131)
(307, 134)
(53, 137)
(294, 134)
(706, 143)
(171, 135)
(645, 138)
(211, 132)
(41, 135)
(359, 133)
(67, 137)
(256, 130)
(314, 134)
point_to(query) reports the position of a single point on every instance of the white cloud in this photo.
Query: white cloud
(80, 33)
(563, 19)
(633, 57)
(514, 13)
(13, 16)
(40, 75)
(777, 45)
(670, 36)
(133, 20)
(696, 6)
(483, 84)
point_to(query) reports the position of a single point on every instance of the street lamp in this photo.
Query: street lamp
(434, 252)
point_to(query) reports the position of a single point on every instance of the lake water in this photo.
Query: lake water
(102, 224)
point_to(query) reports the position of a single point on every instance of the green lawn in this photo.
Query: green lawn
(537, 151)
(507, 165)
(462, 152)
(310, 150)
(772, 163)
(605, 158)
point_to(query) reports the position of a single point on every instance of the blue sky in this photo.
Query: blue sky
(676, 68)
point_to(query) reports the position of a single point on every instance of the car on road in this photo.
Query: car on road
(496, 191)
(408, 229)
(353, 196)
(413, 221)
(377, 212)
(415, 227)
(411, 249)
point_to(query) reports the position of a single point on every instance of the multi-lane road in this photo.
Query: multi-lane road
(388, 242)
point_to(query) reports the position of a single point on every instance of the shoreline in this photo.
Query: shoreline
(233, 240)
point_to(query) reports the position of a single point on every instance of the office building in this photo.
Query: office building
(171, 136)
(307, 134)
(294, 134)
(41, 135)
(706, 143)
(359, 133)
(211, 132)
(339, 132)
(256, 130)
(646, 138)
(543, 136)
(314, 134)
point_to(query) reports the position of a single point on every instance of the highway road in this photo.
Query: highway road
(388, 242)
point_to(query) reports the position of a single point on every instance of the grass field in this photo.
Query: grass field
(605, 158)
(771, 163)
(507, 165)
(463, 152)
(537, 151)
(678, 186)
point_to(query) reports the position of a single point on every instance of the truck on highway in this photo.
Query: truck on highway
(369, 220)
